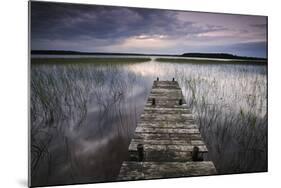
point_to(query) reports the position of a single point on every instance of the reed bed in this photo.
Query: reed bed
(230, 105)
(83, 115)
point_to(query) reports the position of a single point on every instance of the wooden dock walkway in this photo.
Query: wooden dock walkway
(167, 142)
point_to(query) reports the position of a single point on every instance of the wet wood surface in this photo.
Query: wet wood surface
(167, 142)
(132, 170)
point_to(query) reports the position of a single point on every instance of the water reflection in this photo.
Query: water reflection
(83, 116)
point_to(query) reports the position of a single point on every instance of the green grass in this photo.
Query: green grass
(210, 61)
(95, 60)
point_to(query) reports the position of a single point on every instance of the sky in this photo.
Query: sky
(92, 28)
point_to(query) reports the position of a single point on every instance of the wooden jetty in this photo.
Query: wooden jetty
(167, 142)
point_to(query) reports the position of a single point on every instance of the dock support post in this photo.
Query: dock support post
(153, 101)
(140, 152)
(196, 155)
(180, 102)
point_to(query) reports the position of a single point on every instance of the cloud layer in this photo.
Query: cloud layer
(58, 26)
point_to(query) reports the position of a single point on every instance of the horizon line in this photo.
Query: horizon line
(160, 54)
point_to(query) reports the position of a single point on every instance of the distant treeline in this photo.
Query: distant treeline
(62, 52)
(220, 56)
(95, 60)
(200, 55)
(212, 61)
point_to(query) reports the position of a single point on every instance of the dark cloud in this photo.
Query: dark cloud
(90, 27)
(65, 21)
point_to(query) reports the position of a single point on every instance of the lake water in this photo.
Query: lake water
(84, 115)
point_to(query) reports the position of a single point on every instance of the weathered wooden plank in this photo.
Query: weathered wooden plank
(152, 170)
(167, 105)
(171, 116)
(162, 156)
(166, 120)
(167, 91)
(159, 147)
(152, 136)
(163, 93)
(164, 142)
(197, 142)
(170, 97)
(167, 110)
(162, 124)
(131, 171)
(165, 86)
(163, 112)
(165, 138)
(169, 142)
(165, 82)
(173, 94)
(202, 148)
(166, 130)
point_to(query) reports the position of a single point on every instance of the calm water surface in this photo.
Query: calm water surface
(84, 115)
